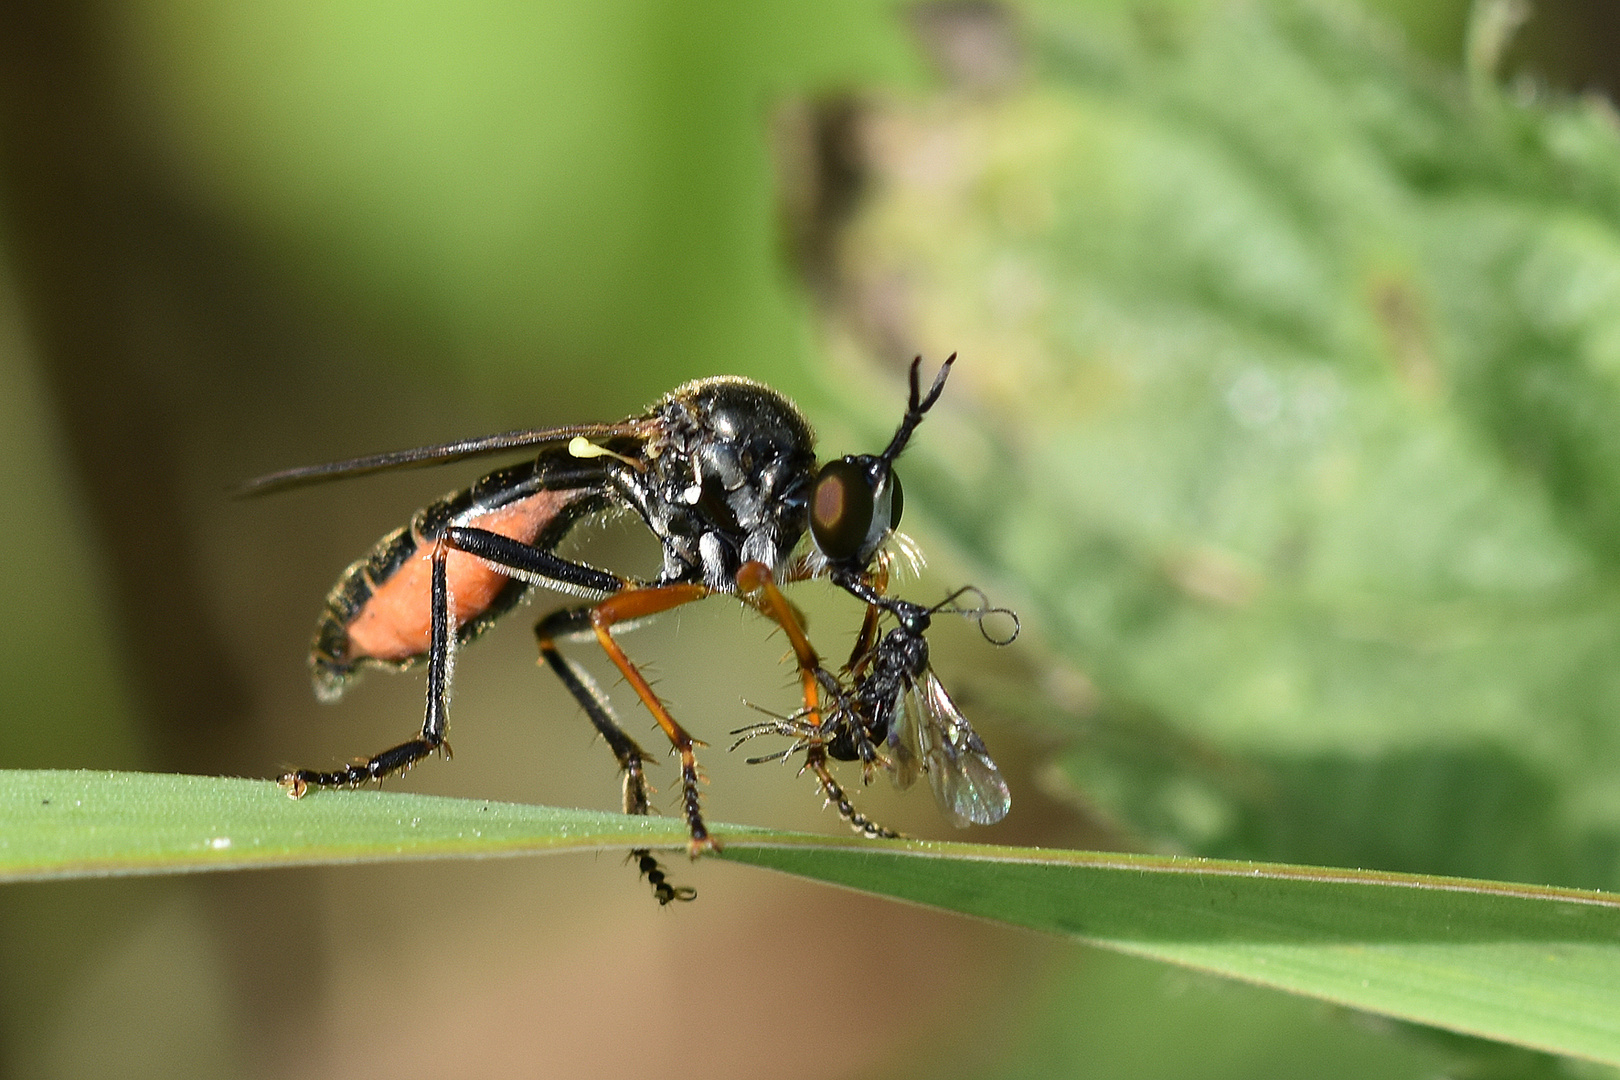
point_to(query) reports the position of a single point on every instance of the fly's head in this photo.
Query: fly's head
(729, 481)
(856, 501)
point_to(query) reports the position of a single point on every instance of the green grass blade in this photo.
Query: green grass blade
(1531, 965)
(57, 824)
(1537, 966)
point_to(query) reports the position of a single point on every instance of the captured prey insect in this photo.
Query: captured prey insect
(722, 471)
(893, 712)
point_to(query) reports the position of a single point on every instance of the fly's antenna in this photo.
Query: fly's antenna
(917, 407)
(979, 611)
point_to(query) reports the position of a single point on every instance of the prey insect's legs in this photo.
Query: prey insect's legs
(441, 650)
(756, 585)
(846, 809)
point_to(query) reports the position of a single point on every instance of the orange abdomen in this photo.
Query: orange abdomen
(380, 611)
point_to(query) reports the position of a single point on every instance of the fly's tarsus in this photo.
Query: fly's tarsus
(653, 871)
(396, 761)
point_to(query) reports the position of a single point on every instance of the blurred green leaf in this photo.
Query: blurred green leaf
(1105, 1014)
(1533, 965)
(1288, 412)
(575, 199)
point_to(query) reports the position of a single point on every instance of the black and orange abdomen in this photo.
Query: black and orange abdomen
(378, 614)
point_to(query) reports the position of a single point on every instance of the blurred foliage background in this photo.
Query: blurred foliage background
(1285, 416)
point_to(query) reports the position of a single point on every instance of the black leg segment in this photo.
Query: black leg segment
(532, 564)
(630, 755)
(441, 656)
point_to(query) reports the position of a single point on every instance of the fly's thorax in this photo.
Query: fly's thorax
(728, 479)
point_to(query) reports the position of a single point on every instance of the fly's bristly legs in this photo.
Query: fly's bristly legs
(599, 619)
(626, 602)
(631, 757)
(757, 587)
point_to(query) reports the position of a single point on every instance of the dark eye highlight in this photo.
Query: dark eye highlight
(841, 510)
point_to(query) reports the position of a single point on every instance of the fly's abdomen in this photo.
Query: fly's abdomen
(379, 613)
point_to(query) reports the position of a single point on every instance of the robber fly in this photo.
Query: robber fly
(722, 471)
(888, 708)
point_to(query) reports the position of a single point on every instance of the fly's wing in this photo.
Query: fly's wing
(967, 785)
(903, 746)
(624, 439)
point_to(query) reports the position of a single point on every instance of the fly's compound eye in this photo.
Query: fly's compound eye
(841, 509)
(851, 510)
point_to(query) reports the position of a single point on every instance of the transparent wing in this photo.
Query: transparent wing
(903, 746)
(967, 785)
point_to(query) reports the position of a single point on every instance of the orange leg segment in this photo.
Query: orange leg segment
(637, 604)
(757, 586)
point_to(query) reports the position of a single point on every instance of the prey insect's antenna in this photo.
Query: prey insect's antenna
(979, 612)
(917, 407)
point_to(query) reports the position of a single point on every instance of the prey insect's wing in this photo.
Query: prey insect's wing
(903, 746)
(967, 785)
(625, 438)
